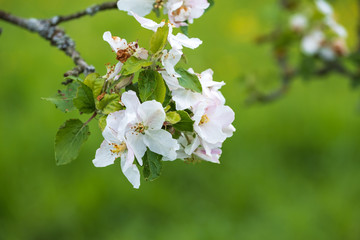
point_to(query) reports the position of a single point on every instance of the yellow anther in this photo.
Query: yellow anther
(118, 149)
(204, 119)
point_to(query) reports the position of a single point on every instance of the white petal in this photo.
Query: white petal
(147, 23)
(171, 81)
(185, 98)
(136, 144)
(161, 142)
(324, 7)
(130, 170)
(170, 59)
(312, 43)
(181, 40)
(140, 7)
(192, 146)
(130, 100)
(210, 132)
(104, 157)
(152, 114)
(116, 43)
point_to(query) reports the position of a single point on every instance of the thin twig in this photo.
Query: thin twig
(90, 11)
(48, 29)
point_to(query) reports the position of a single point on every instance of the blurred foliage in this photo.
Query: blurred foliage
(291, 171)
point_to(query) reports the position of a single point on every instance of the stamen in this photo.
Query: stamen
(204, 119)
(118, 149)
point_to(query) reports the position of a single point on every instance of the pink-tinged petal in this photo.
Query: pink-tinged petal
(210, 132)
(200, 4)
(147, 23)
(161, 142)
(130, 170)
(135, 142)
(116, 43)
(224, 115)
(131, 101)
(140, 7)
(104, 156)
(214, 155)
(152, 114)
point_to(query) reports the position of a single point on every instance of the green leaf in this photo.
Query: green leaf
(109, 104)
(95, 82)
(189, 80)
(159, 39)
(172, 117)
(102, 122)
(133, 64)
(151, 86)
(69, 139)
(63, 99)
(307, 66)
(185, 30)
(186, 123)
(212, 2)
(152, 165)
(84, 100)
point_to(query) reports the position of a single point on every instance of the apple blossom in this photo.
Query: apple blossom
(182, 12)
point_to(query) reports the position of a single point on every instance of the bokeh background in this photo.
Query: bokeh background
(291, 171)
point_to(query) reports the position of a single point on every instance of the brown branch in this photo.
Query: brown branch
(48, 29)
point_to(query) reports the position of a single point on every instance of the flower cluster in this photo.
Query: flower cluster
(167, 112)
(321, 35)
(180, 12)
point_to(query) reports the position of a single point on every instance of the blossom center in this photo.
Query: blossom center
(177, 12)
(118, 149)
(139, 128)
(204, 119)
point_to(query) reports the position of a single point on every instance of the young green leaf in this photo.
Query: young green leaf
(95, 82)
(151, 86)
(63, 100)
(186, 123)
(84, 100)
(185, 30)
(189, 80)
(133, 64)
(152, 165)
(69, 139)
(173, 117)
(159, 39)
(109, 104)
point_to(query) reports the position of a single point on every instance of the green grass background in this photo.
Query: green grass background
(291, 171)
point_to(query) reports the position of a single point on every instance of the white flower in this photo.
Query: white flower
(182, 11)
(298, 22)
(324, 7)
(187, 99)
(140, 7)
(312, 43)
(142, 127)
(113, 147)
(213, 122)
(177, 42)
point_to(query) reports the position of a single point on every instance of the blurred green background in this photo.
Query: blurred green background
(291, 171)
